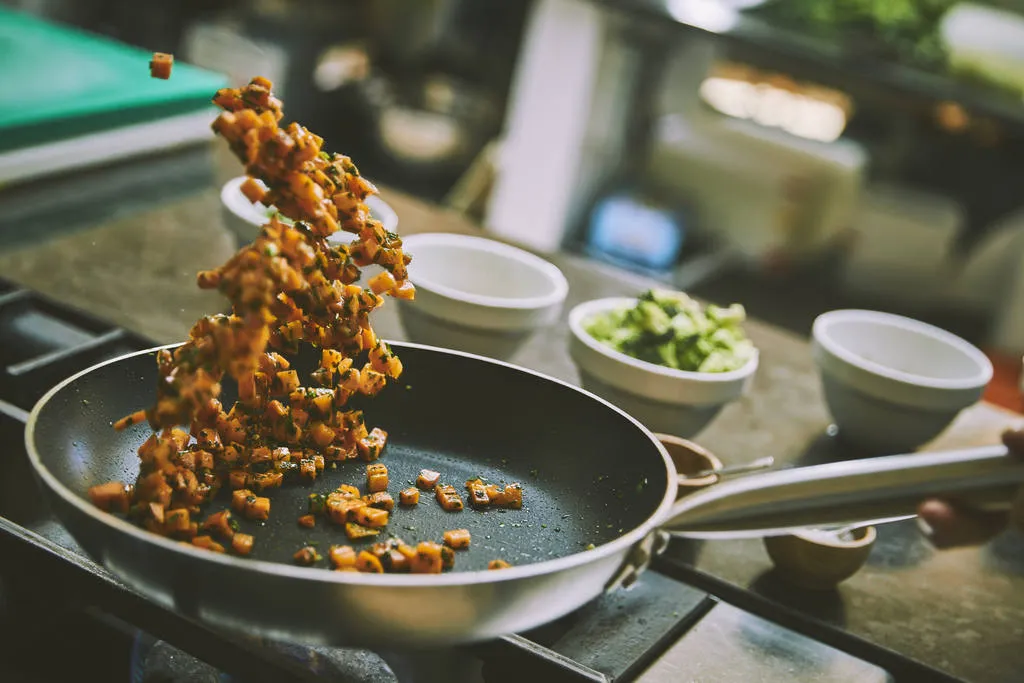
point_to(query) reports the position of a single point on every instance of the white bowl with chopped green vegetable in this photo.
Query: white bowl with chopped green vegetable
(663, 357)
(244, 218)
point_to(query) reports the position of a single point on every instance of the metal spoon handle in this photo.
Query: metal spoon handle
(872, 489)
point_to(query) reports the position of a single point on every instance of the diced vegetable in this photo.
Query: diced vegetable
(242, 543)
(220, 524)
(376, 477)
(409, 496)
(306, 556)
(257, 507)
(448, 497)
(177, 520)
(427, 479)
(307, 521)
(161, 64)
(498, 564)
(239, 498)
(381, 499)
(478, 497)
(457, 538)
(367, 562)
(356, 532)
(114, 496)
(374, 518)
(341, 509)
(671, 329)
(342, 556)
(427, 559)
(207, 543)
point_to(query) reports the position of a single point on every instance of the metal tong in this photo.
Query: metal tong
(871, 490)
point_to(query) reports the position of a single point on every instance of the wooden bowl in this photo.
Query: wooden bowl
(812, 561)
(689, 458)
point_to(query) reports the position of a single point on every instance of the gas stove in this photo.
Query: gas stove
(55, 599)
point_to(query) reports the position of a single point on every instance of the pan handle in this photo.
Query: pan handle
(848, 492)
(638, 559)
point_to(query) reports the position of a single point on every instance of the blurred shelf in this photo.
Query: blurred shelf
(856, 72)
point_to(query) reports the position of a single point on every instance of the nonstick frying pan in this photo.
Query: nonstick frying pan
(598, 501)
(595, 481)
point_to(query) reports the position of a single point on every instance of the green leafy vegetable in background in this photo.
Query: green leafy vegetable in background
(906, 31)
(671, 329)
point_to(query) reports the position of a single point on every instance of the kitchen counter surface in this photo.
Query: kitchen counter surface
(957, 611)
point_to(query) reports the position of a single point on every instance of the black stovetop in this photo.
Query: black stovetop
(63, 615)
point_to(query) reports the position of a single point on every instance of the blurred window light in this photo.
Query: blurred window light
(710, 15)
(798, 111)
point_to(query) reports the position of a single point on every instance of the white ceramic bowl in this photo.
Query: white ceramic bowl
(664, 399)
(244, 219)
(478, 295)
(893, 383)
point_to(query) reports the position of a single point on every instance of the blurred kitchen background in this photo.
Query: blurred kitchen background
(794, 155)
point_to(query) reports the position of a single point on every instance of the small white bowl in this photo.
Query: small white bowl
(662, 398)
(244, 219)
(892, 383)
(478, 295)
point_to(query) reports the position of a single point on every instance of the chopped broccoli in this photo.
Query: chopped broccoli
(673, 330)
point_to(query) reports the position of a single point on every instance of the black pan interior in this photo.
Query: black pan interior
(589, 473)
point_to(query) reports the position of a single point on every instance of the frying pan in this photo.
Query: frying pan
(593, 477)
(598, 503)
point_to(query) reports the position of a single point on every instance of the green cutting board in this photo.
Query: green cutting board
(58, 82)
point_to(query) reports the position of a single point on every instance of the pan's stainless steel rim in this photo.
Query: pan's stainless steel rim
(620, 545)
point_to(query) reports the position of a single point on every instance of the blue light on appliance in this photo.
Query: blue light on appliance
(624, 228)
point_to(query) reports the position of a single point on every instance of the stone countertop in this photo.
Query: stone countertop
(959, 611)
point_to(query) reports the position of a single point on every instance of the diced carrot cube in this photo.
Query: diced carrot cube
(252, 190)
(478, 497)
(406, 291)
(382, 282)
(427, 559)
(368, 563)
(347, 490)
(355, 531)
(447, 557)
(498, 564)
(238, 499)
(242, 543)
(341, 510)
(207, 543)
(409, 496)
(161, 64)
(374, 518)
(257, 507)
(381, 499)
(307, 469)
(306, 556)
(428, 479)
(448, 497)
(220, 524)
(342, 556)
(267, 480)
(289, 380)
(376, 477)
(308, 521)
(457, 538)
(177, 520)
(114, 496)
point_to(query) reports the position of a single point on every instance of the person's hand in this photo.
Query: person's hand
(949, 526)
